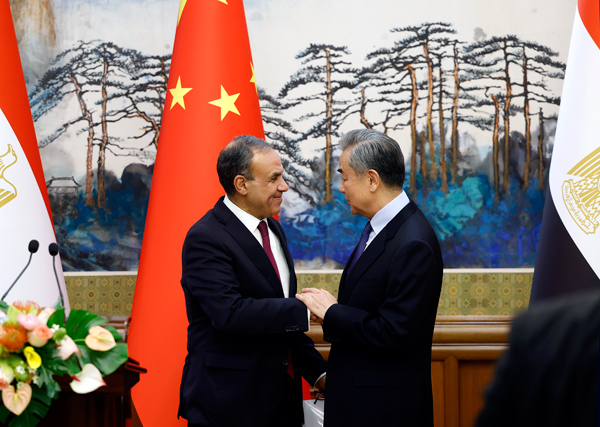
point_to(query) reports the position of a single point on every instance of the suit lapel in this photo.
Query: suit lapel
(249, 244)
(367, 258)
(373, 251)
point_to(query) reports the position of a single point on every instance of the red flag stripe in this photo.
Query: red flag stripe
(589, 11)
(13, 94)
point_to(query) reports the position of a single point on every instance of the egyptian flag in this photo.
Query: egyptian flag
(26, 227)
(211, 98)
(568, 257)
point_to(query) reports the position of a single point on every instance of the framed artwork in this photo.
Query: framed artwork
(470, 90)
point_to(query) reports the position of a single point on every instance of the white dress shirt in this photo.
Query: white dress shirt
(386, 214)
(251, 223)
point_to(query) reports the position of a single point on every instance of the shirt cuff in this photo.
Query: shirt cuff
(319, 379)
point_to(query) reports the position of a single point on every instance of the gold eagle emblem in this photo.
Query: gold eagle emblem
(582, 197)
(7, 191)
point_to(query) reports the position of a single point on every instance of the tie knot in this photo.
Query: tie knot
(262, 227)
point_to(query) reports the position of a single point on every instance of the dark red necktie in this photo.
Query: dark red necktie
(264, 233)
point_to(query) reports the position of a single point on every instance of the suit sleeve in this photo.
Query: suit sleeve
(208, 272)
(410, 291)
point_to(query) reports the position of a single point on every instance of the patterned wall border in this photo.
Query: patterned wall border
(485, 292)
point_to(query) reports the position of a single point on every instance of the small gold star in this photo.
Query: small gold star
(224, 1)
(181, 7)
(253, 79)
(178, 93)
(226, 103)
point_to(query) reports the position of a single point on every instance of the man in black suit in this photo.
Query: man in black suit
(549, 375)
(247, 350)
(379, 368)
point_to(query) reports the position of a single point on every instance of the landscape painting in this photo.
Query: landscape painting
(471, 91)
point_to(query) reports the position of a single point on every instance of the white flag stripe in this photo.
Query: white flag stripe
(577, 138)
(22, 219)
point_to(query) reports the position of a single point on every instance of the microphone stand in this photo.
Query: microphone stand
(13, 284)
(53, 249)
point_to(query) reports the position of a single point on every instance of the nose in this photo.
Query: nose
(283, 187)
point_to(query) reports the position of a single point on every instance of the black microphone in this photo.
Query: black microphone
(33, 247)
(53, 249)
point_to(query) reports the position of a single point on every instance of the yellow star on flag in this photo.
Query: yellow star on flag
(253, 79)
(178, 93)
(224, 1)
(181, 7)
(226, 102)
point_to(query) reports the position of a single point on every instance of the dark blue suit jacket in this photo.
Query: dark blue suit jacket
(240, 326)
(379, 368)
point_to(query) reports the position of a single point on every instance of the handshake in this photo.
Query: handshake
(317, 301)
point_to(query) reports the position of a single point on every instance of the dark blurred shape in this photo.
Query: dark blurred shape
(549, 375)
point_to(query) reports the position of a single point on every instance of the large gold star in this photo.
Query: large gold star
(226, 103)
(178, 93)
(181, 7)
(253, 79)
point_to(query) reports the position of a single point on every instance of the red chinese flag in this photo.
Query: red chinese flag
(211, 98)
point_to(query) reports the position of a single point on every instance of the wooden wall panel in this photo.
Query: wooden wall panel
(473, 377)
(437, 382)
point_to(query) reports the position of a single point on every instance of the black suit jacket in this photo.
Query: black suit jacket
(379, 368)
(549, 375)
(240, 326)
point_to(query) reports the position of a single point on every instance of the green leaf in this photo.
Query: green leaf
(72, 364)
(4, 306)
(12, 314)
(80, 322)
(85, 356)
(116, 335)
(47, 382)
(109, 361)
(57, 318)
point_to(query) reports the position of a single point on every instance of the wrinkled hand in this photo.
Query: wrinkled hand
(318, 302)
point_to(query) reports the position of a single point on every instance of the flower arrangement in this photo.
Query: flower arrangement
(36, 344)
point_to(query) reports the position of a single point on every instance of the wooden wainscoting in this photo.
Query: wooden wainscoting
(464, 354)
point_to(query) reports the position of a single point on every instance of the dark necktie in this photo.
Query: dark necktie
(264, 233)
(362, 245)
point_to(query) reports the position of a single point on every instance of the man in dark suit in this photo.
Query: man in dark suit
(247, 350)
(549, 375)
(379, 368)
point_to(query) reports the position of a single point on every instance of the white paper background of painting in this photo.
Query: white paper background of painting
(278, 31)
(577, 131)
(23, 219)
(145, 25)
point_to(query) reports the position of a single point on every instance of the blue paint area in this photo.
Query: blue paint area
(95, 240)
(474, 229)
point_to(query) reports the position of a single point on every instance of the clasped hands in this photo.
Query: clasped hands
(318, 302)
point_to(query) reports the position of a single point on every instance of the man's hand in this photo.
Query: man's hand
(318, 302)
(321, 383)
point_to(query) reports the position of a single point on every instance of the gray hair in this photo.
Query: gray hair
(236, 159)
(374, 150)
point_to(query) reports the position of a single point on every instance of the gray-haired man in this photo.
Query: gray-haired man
(379, 368)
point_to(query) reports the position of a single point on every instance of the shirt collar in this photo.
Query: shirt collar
(250, 221)
(388, 212)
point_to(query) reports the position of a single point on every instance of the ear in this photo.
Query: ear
(239, 182)
(374, 180)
